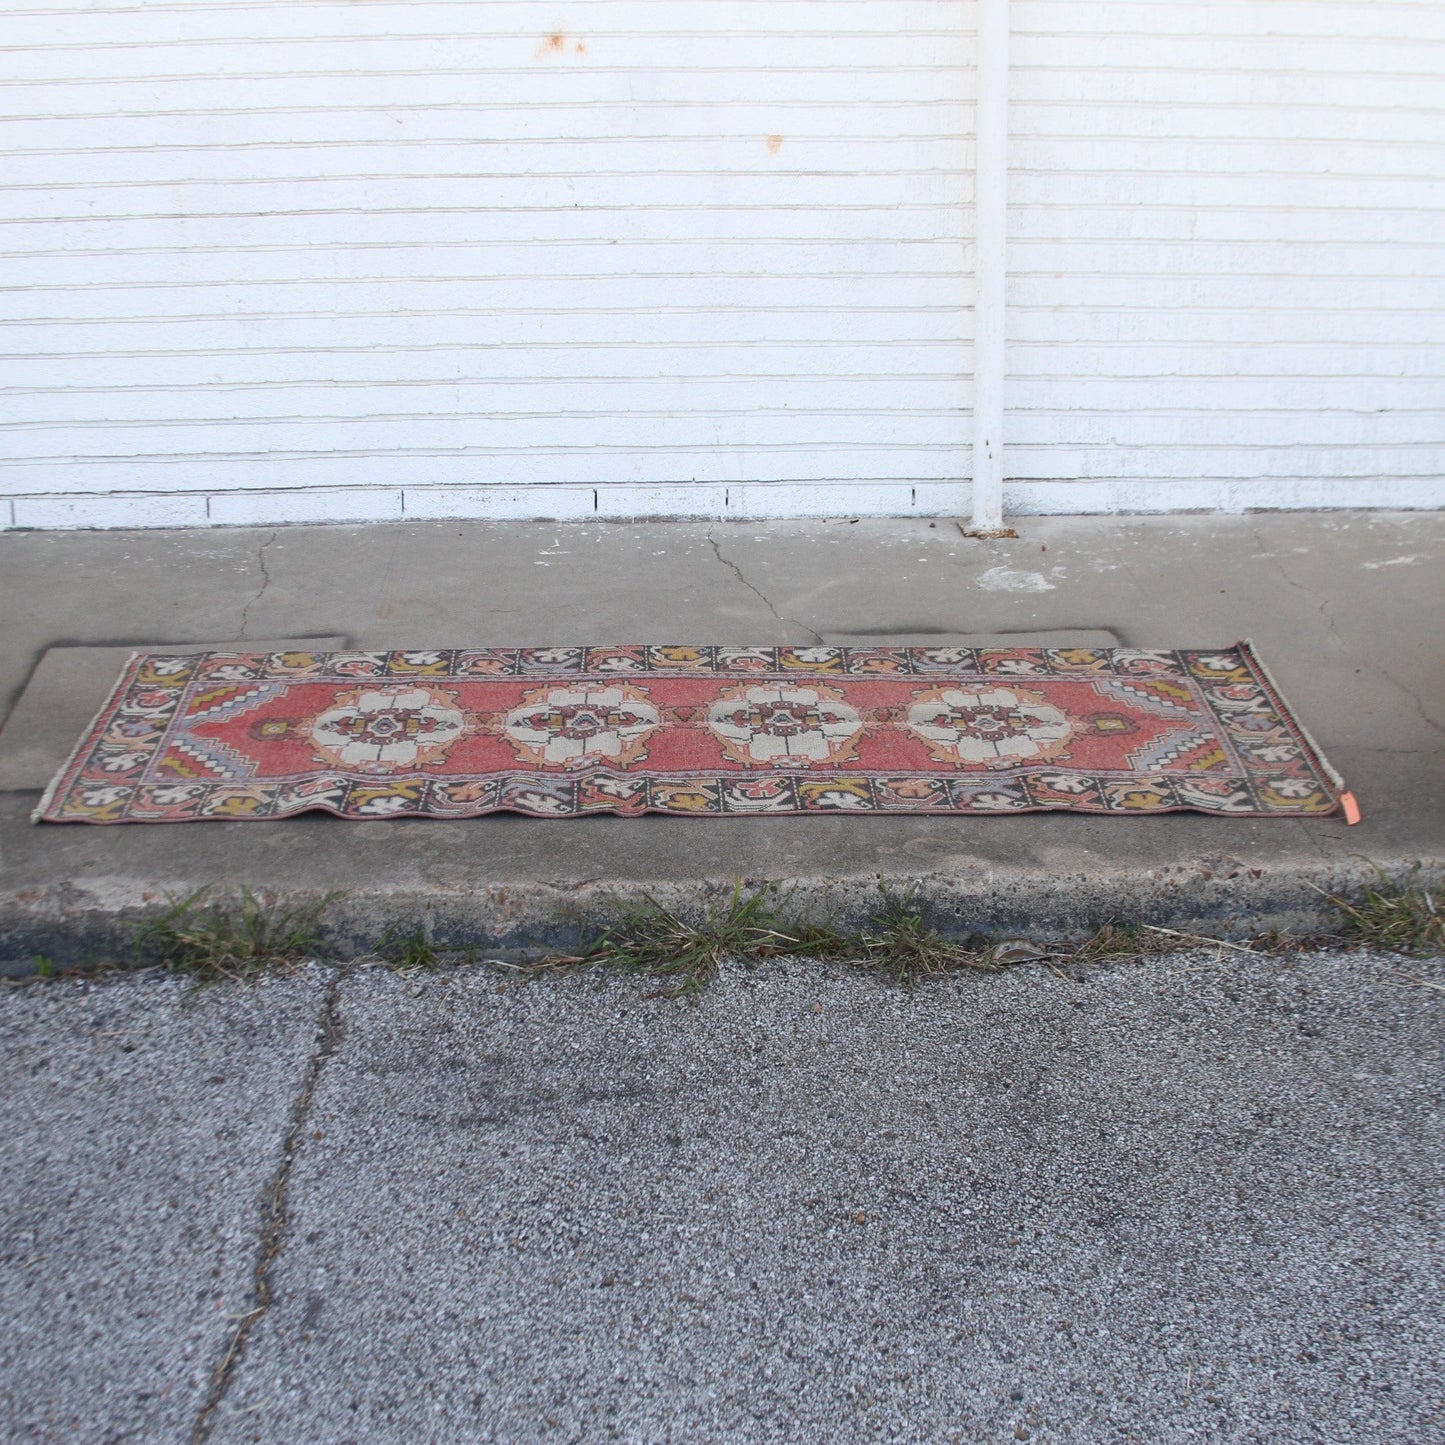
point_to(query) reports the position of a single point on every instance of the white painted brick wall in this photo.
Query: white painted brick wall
(269, 261)
(327, 259)
(1227, 253)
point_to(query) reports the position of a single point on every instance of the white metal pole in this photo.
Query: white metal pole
(990, 229)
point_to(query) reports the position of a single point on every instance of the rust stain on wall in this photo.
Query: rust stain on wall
(556, 43)
(775, 144)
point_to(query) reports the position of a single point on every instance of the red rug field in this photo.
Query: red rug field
(694, 731)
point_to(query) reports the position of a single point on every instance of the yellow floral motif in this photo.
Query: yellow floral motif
(295, 662)
(409, 792)
(814, 788)
(165, 671)
(1218, 668)
(1080, 659)
(234, 805)
(686, 800)
(420, 664)
(1138, 800)
(1296, 795)
(811, 659)
(110, 811)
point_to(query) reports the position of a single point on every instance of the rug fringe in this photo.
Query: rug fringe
(87, 738)
(1246, 646)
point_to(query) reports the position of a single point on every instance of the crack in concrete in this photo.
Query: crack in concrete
(1324, 611)
(265, 583)
(275, 1212)
(1414, 698)
(758, 593)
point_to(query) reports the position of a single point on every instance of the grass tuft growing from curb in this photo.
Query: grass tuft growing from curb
(236, 939)
(254, 932)
(1406, 918)
(414, 952)
(654, 941)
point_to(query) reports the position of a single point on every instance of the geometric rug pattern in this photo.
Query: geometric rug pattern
(691, 731)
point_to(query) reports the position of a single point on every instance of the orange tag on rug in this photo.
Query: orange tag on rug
(1351, 807)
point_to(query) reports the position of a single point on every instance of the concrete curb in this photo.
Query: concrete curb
(97, 923)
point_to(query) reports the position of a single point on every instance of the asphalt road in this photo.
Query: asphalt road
(1192, 1199)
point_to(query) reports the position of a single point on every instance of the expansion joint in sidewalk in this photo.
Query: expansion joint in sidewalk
(275, 1213)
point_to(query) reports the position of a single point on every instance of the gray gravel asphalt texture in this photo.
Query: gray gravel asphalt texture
(1195, 1198)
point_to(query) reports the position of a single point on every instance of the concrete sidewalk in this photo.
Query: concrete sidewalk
(1345, 608)
(1191, 1199)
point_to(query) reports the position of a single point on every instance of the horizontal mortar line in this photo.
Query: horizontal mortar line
(855, 176)
(534, 41)
(735, 137)
(1154, 243)
(353, 384)
(1116, 309)
(519, 107)
(1038, 138)
(129, 217)
(211, 77)
(580, 243)
(811, 481)
(948, 208)
(1123, 274)
(1198, 309)
(498, 311)
(801, 413)
(197, 113)
(263, 6)
(423, 142)
(420, 278)
(1022, 36)
(546, 277)
(1278, 71)
(1255, 36)
(425, 487)
(1255, 380)
(1183, 412)
(388, 348)
(1129, 102)
(1134, 343)
(1219, 207)
(497, 455)
(960, 101)
(562, 208)
(488, 176)
(571, 413)
(1135, 174)
(705, 449)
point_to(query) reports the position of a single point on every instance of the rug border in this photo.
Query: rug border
(86, 740)
(1247, 647)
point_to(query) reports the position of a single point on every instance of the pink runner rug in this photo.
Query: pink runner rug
(693, 731)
